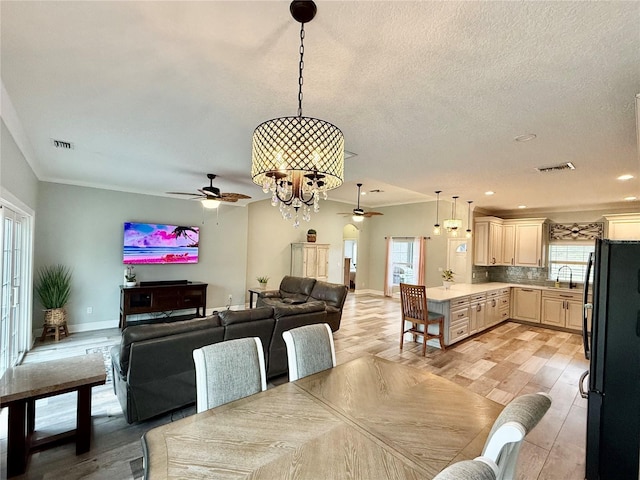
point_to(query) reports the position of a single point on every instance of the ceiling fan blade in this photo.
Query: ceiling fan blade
(225, 199)
(371, 214)
(185, 193)
(207, 193)
(236, 196)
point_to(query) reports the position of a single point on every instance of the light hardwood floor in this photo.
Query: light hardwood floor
(509, 360)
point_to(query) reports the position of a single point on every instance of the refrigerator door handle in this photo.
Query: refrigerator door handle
(585, 310)
(583, 393)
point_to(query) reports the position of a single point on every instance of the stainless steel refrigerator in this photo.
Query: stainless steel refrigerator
(613, 348)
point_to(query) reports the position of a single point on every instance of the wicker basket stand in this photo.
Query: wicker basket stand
(55, 323)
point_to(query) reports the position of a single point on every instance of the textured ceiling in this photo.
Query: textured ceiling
(429, 95)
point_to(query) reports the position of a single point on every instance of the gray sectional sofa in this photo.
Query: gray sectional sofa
(153, 369)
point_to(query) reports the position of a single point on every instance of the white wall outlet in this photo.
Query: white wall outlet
(230, 299)
(439, 269)
(89, 310)
(486, 274)
(473, 275)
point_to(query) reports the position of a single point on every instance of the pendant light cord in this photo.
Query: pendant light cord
(301, 67)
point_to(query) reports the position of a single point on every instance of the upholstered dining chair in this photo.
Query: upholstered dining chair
(480, 468)
(227, 371)
(515, 421)
(413, 299)
(310, 349)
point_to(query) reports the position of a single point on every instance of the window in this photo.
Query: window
(402, 261)
(573, 255)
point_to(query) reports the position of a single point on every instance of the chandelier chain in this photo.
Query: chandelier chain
(300, 68)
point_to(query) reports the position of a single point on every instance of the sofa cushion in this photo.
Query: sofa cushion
(230, 317)
(298, 288)
(283, 310)
(138, 333)
(333, 294)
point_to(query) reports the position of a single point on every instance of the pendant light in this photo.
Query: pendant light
(298, 159)
(436, 227)
(468, 235)
(453, 224)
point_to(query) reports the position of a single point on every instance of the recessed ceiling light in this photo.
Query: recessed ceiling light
(489, 192)
(522, 206)
(625, 177)
(526, 137)
(630, 199)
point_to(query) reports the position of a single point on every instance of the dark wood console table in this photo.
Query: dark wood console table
(162, 298)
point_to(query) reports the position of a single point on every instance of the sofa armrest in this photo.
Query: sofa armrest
(269, 294)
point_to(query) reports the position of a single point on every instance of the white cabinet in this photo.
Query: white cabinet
(509, 242)
(529, 245)
(487, 243)
(562, 309)
(310, 260)
(623, 227)
(525, 304)
(477, 308)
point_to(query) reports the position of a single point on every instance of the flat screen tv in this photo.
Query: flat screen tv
(151, 243)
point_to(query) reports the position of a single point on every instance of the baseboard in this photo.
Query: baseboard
(368, 291)
(92, 326)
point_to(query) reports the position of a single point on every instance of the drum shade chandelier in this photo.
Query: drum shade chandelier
(298, 159)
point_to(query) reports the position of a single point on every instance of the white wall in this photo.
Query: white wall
(83, 228)
(16, 176)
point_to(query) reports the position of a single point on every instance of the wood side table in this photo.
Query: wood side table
(21, 386)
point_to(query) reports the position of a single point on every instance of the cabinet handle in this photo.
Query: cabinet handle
(493, 304)
(566, 296)
(460, 315)
(459, 332)
(479, 308)
(493, 260)
(513, 262)
(538, 262)
(526, 290)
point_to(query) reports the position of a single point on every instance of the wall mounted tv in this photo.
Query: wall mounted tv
(151, 243)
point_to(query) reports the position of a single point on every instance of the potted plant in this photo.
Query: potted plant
(53, 289)
(130, 277)
(447, 278)
(262, 280)
(311, 235)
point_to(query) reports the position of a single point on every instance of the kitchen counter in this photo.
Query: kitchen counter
(457, 290)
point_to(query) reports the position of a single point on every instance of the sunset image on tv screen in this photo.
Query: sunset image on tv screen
(149, 243)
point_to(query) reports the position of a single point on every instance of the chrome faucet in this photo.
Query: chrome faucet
(571, 284)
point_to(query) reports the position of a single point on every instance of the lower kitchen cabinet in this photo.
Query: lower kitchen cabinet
(525, 304)
(477, 309)
(562, 309)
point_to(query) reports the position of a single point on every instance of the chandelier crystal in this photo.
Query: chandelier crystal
(298, 159)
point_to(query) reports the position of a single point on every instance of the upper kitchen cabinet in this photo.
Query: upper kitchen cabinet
(623, 226)
(487, 241)
(529, 242)
(510, 242)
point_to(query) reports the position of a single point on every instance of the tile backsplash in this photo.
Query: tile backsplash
(508, 274)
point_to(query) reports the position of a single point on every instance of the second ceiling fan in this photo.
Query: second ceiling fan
(358, 214)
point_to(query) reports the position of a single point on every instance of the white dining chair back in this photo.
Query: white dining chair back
(227, 371)
(310, 349)
(480, 468)
(517, 419)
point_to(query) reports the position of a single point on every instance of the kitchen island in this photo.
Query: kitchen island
(471, 308)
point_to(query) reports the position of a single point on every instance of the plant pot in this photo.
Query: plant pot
(311, 237)
(55, 316)
(130, 284)
(263, 286)
(446, 284)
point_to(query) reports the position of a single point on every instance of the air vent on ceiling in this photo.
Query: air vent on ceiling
(562, 166)
(62, 144)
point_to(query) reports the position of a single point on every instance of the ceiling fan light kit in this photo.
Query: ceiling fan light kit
(298, 159)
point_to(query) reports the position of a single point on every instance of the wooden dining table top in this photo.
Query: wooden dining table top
(369, 418)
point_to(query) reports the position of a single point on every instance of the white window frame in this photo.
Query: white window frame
(578, 267)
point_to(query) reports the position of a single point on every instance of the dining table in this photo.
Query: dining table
(369, 418)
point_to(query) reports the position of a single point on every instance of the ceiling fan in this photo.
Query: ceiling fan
(358, 214)
(211, 196)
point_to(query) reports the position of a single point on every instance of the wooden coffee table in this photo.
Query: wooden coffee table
(21, 386)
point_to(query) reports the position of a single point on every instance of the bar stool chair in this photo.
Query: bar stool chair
(413, 299)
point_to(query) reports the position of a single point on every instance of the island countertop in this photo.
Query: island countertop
(457, 290)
